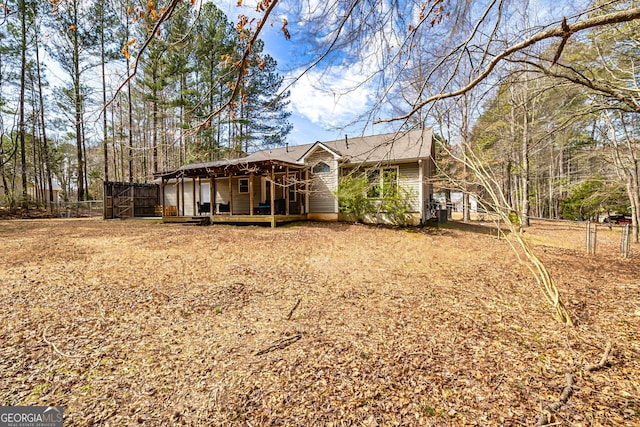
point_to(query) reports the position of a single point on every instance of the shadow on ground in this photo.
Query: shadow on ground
(473, 227)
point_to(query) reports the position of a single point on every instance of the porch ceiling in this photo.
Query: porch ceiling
(231, 167)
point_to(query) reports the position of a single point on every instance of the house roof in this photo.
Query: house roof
(391, 147)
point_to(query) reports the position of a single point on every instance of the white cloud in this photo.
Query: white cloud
(330, 100)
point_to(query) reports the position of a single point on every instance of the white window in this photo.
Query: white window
(243, 185)
(382, 182)
(321, 167)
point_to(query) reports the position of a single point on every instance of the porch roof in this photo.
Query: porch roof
(242, 166)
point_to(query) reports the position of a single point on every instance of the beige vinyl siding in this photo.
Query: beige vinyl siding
(323, 185)
(221, 193)
(410, 180)
(240, 201)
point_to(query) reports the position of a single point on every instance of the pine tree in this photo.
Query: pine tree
(74, 37)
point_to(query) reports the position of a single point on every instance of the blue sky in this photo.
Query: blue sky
(317, 114)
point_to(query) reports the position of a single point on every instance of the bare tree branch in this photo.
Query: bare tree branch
(573, 75)
(558, 31)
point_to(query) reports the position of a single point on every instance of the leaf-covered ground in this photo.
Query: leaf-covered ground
(139, 323)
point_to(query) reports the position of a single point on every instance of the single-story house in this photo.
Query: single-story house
(299, 182)
(56, 189)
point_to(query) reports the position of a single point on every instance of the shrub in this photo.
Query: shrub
(354, 199)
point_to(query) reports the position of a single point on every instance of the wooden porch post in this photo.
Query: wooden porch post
(212, 196)
(161, 196)
(194, 196)
(298, 179)
(286, 190)
(251, 194)
(230, 193)
(273, 196)
(307, 187)
(177, 196)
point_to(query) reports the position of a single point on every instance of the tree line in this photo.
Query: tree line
(547, 108)
(560, 131)
(82, 102)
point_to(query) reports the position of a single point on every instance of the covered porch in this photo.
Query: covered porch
(235, 192)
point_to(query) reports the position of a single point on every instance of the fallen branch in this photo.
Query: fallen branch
(544, 418)
(603, 359)
(44, 337)
(280, 344)
(293, 309)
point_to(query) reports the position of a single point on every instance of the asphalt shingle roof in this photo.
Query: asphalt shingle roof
(390, 147)
(363, 149)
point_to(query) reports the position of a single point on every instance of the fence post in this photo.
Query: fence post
(588, 237)
(595, 238)
(624, 242)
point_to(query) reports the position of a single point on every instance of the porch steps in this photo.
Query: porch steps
(188, 220)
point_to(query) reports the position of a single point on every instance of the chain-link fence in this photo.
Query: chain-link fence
(85, 209)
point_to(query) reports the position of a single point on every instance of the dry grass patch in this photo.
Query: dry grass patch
(129, 323)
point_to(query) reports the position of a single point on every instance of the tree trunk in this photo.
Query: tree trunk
(130, 107)
(466, 211)
(154, 142)
(78, 103)
(524, 221)
(85, 174)
(633, 191)
(21, 118)
(45, 143)
(105, 134)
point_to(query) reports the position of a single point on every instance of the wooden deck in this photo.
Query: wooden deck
(238, 219)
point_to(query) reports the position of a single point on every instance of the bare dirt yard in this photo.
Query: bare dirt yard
(138, 323)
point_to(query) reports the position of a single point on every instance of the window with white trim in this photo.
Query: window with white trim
(382, 182)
